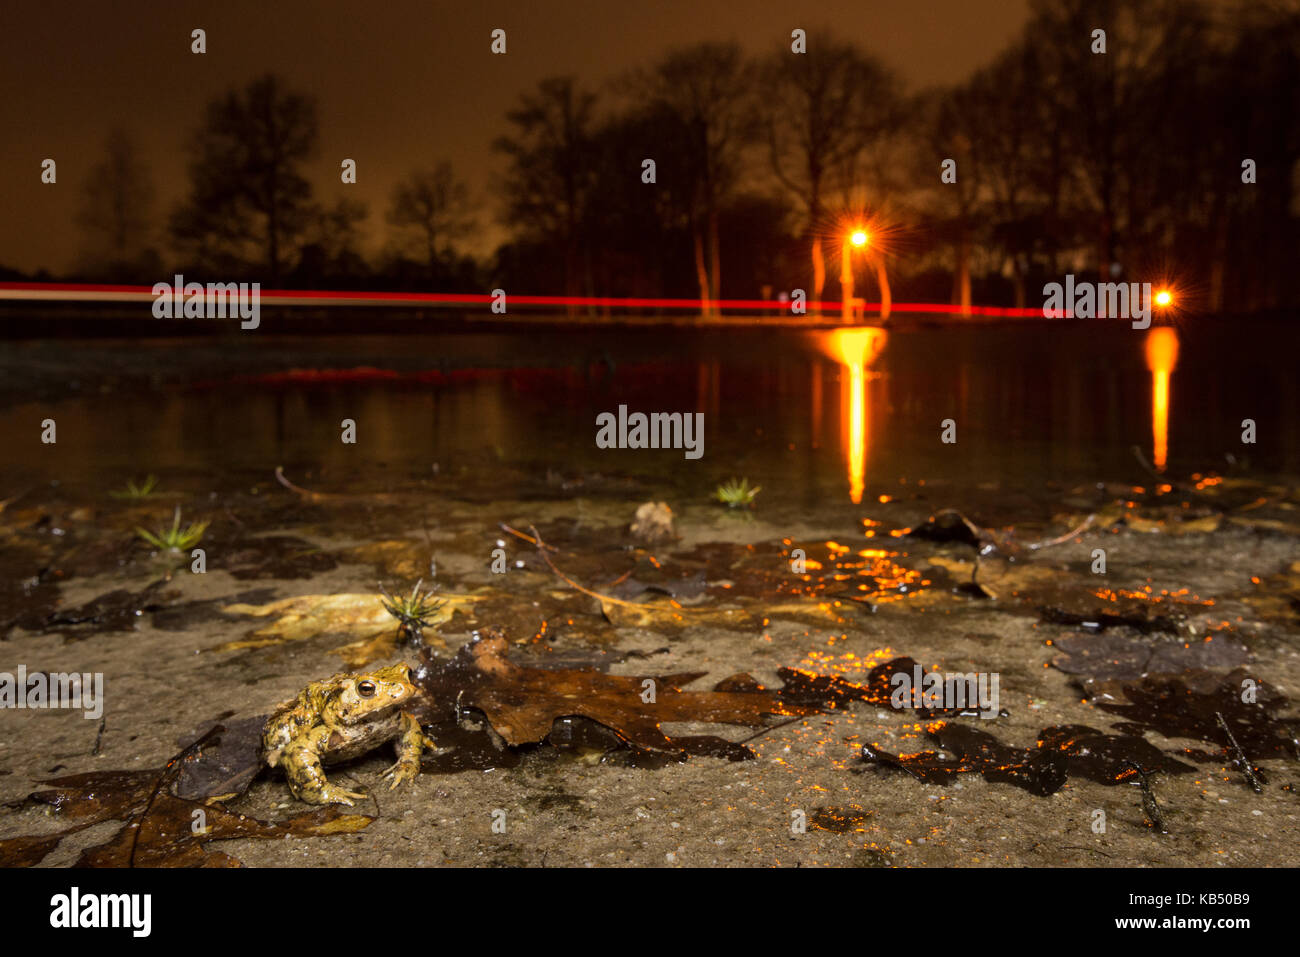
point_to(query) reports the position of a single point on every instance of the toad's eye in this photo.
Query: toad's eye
(365, 688)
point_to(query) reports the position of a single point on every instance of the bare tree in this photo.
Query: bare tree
(249, 201)
(332, 243)
(951, 130)
(1014, 155)
(117, 200)
(430, 209)
(706, 90)
(821, 110)
(549, 181)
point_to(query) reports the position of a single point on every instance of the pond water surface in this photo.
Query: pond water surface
(814, 417)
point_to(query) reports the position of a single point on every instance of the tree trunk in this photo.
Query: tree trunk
(273, 246)
(819, 272)
(701, 273)
(886, 299)
(961, 280)
(715, 263)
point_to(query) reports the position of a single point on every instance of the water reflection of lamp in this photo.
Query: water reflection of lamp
(1162, 357)
(856, 350)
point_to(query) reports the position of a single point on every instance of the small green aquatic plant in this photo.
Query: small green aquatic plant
(413, 612)
(174, 539)
(136, 492)
(737, 493)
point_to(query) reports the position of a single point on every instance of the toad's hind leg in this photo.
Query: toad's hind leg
(409, 744)
(301, 762)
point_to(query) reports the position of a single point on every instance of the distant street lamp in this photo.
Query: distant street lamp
(856, 238)
(860, 238)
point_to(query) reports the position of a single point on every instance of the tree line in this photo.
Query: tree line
(1172, 155)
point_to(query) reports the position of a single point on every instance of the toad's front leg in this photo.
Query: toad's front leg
(409, 744)
(302, 768)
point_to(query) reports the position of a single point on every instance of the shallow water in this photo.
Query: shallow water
(816, 418)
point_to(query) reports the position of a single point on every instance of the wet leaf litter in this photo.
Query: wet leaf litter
(492, 710)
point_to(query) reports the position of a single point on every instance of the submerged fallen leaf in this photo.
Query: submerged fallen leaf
(1257, 524)
(951, 526)
(29, 851)
(361, 615)
(226, 764)
(1041, 770)
(1150, 518)
(995, 579)
(1083, 609)
(653, 523)
(117, 610)
(394, 558)
(163, 834)
(522, 704)
(529, 705)
(1188, 706)
(1277, 597)
(1115, 655)
(671, 616)
(160, 828)
(1195, 526)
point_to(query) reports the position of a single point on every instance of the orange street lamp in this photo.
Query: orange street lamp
(857, 238)
(860, 238)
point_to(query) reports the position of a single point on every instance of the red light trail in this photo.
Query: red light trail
(87, 292)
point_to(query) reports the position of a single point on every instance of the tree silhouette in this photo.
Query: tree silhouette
(115, 212)
(821, 110)
(249, 203)
(548, 184)
(705, 90)
(332, 245)
(430, 209)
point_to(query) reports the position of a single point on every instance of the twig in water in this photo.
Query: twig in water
(541, 550)
(1066, 537)
(372, 498)
(1150, 806)
(1142, 461)
(1239, 756)
(528, 538)
(297, 490)
(1079, 847)
(171, 770)
(772, 727)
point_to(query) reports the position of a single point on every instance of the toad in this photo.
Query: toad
(340, 718)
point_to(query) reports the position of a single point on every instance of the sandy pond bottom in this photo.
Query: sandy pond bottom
(174, 661)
